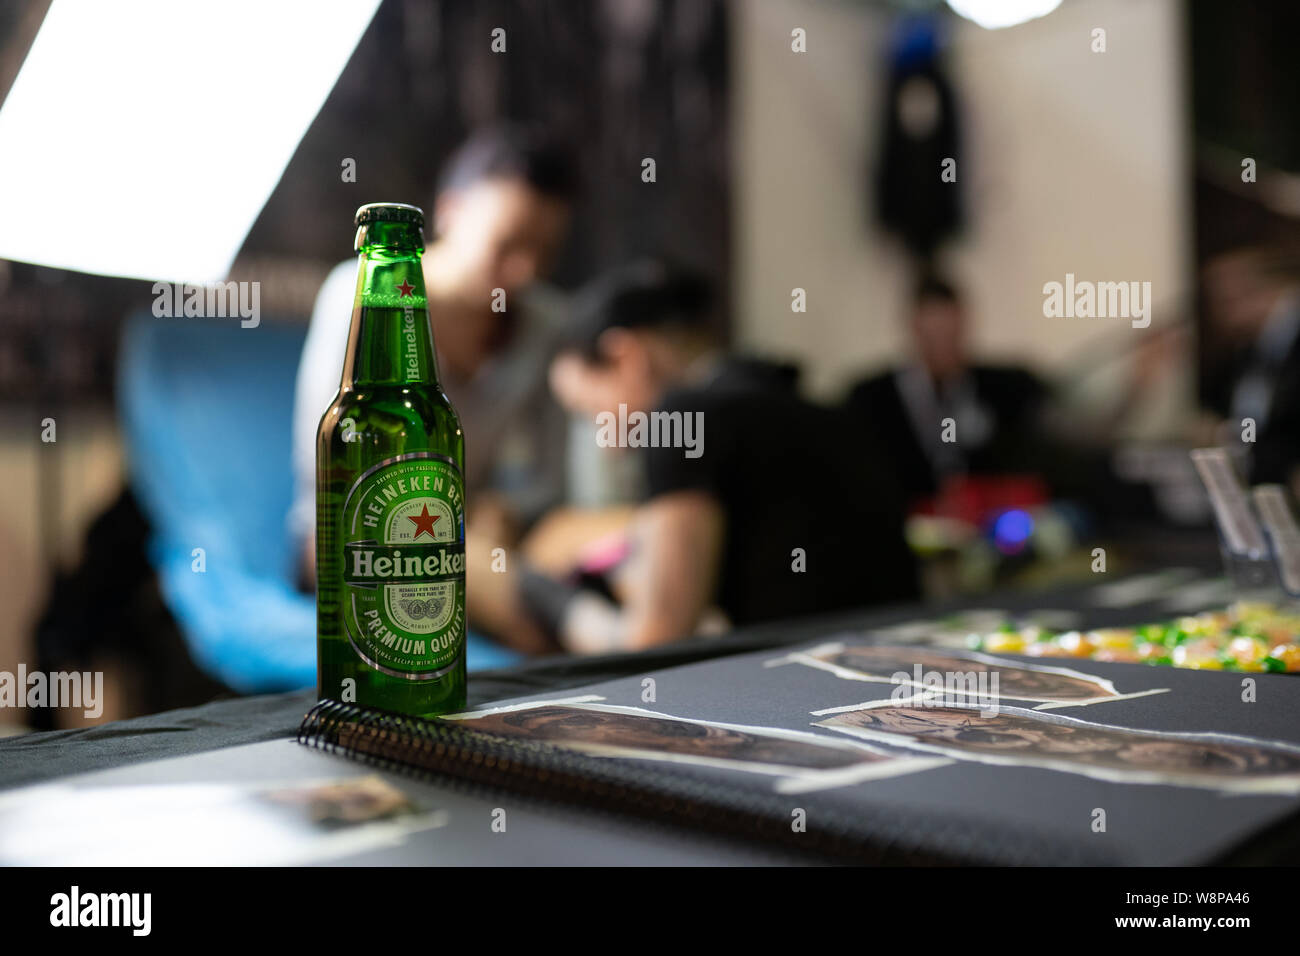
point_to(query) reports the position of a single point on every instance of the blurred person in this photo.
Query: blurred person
(498, 219)
(995, 409)
(1252, 298)
(767, 507)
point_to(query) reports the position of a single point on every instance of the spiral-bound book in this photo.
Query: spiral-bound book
(853, 751)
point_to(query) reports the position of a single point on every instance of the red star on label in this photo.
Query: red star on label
(405, 288)
(423, 522)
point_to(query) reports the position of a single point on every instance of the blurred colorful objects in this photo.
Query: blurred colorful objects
(1248, 636)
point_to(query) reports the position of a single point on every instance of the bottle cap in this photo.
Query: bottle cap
(390, 212)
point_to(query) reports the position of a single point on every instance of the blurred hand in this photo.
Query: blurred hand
(556, 544)
(492, 600)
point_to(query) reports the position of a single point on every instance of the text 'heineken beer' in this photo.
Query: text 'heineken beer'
(390, 500)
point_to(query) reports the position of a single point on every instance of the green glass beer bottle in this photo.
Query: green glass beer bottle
(390, 504)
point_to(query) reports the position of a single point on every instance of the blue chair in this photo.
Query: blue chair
(206, 409)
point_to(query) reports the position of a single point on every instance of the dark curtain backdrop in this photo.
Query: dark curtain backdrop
(620, 80)
(1245, 84)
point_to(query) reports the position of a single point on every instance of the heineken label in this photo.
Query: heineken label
(404, 566)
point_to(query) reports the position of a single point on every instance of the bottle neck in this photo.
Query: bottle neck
(391, 338)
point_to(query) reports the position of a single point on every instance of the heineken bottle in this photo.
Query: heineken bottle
(390, 501)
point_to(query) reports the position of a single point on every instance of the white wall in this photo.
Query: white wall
(1075, 162)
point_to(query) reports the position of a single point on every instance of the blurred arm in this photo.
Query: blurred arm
(670, 579)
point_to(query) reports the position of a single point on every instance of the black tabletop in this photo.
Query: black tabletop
(45, 756)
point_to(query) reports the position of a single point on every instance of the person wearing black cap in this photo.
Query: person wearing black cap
(758, 503)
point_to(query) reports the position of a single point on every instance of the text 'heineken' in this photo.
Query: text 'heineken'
(390, 502)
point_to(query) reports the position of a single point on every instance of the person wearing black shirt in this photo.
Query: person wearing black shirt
(1253, 355)
(771, 507)
(994, 410)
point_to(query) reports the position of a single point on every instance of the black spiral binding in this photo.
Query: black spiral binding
(469, 759)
